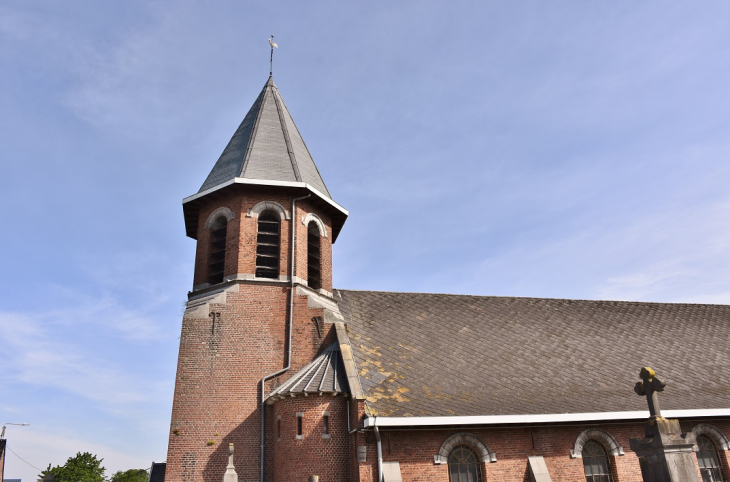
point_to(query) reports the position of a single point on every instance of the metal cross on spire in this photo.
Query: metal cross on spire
(271, 59)
(650, 385)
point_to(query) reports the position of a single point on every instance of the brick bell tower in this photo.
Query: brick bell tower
(264, 222)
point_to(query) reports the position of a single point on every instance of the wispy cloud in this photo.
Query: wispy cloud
(685, 258)
(677, 255)
(150, 80)
(45, 355)
(16, 24)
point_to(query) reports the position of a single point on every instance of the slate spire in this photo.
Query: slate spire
(267, 146)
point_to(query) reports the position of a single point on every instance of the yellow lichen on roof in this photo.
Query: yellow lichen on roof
(390, 394)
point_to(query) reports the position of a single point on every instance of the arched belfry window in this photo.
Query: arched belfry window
(464, 465)
(314, 266)
(268, 242)
(596, 463)
(217, 253)
(708, 459)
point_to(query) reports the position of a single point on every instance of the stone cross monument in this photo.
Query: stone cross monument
(665, 454)
(649, 385)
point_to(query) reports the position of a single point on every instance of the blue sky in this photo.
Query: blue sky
(551, 149)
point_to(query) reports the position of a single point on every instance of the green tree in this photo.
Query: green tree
(81, 468)
(131, 475)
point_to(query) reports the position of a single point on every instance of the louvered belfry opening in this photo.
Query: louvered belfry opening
(217, 254)
(314, 270)
(268, 241)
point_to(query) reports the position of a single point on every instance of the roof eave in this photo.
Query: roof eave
(370, 422)
(339, 217)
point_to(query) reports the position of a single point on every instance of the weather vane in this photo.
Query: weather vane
(271, 59)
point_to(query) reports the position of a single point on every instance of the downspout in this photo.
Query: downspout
(380, 454)
(290, 322)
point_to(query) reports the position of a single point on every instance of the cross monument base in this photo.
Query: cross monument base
(665, 454)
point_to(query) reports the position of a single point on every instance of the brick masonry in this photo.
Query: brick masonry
(241, 236)
(314, 453)
(223, 357)
(415, 450)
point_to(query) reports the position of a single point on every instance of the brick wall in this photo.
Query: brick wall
(357, 439)
(415, 450)
(222, 359)
(219, 369)
(313, 454)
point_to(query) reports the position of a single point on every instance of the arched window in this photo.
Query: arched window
(217, 253)
(314, 270)
(596, 463)
(464, 465)
(267, 245)
(710, 466)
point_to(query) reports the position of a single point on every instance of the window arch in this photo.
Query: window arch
(464, 465)
(709, 460)
(313, 217)
(268, 206)
(714, 433)
(463, 438)
(268, 240)
(213, 218)
(314, 265)
(596, 463)
(217, 251)
(604, 438)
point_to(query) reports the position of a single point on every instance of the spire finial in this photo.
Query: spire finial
(271, 59)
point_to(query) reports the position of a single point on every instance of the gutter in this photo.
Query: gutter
(375, 422)
(290, 322)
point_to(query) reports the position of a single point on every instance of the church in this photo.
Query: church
(304, 379)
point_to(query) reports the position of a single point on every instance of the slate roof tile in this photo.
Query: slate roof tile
(266, 146)
(324, 374)
(424, 354)
(157, 472)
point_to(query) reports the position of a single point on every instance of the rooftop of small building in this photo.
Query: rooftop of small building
(435, 355)
(323, 375)
(157, 472)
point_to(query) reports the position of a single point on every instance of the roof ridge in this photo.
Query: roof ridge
(327, 364)
(303, 141)
(287, 139)
(249, 143)
(534, 298)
